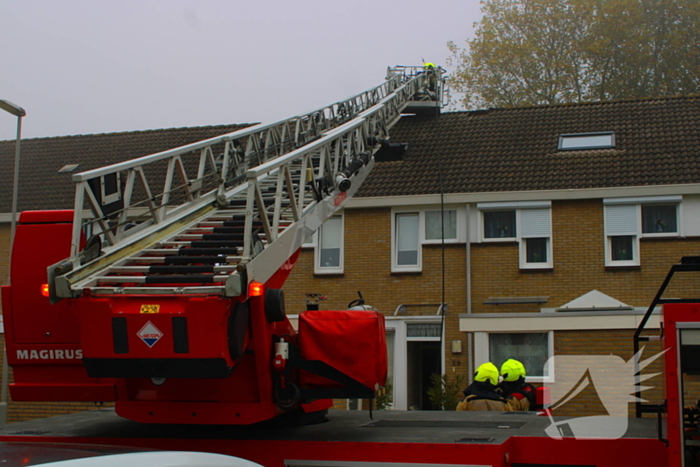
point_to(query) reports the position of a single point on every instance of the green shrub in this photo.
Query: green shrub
(385, 396)
(445, 392)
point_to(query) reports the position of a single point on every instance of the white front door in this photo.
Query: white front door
(415, 352)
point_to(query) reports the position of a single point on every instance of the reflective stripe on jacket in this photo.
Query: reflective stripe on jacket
(476, 403)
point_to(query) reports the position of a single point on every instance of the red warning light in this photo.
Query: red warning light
(255, 289)
(45, 290)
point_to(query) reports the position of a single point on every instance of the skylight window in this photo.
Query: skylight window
(586, 141)
(68, 168)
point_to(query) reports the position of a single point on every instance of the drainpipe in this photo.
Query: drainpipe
(468, 249)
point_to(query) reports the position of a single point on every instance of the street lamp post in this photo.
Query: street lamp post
(18, 112)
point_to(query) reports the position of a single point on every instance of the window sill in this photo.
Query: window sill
(329, 273)
(539, 379)
(414, 272)
(622, 267)
(656, 238)
(450, 241)
(537, 269)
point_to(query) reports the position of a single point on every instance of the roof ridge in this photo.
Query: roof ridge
(577, 104)
(134, 132)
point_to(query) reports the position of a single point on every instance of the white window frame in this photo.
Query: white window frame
(395, 266)
(312, 241)
(522, 208)
(318, 236)
(632, 207)
(677, 233)
(460, 235)
(481, 352)
(423, 226)
(111, 197)
(585, 141)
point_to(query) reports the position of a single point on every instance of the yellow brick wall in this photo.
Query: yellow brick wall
(579, 264)
(579, 267)
(368, 269)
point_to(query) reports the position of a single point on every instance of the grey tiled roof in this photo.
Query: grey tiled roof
(657, 143)
(42, 187)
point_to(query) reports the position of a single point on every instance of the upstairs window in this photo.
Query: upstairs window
(628, 219)
(500, 224)
(329, 251)
(436, 224)
(527, 222)
(582, 141)
(660, 219)
(407, 246)
(412, 228)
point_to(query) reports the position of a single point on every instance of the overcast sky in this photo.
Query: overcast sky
(81, 67)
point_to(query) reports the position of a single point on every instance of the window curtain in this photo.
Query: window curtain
(659, 218)
(531, 349)
(499, 224)
(433, 225)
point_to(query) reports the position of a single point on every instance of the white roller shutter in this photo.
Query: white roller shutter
(621, 219)
(535, 223)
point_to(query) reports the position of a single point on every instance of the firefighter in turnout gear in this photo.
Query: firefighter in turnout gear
(519, 394)
(483, 394)
(429, 69)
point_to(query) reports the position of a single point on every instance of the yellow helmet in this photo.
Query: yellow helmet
(487, 372)
(512, 370)
(428, 65)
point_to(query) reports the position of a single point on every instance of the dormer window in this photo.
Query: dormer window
(582, 141)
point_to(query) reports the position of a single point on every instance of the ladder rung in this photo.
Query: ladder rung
(182, 259)
(226, 212)
(209, 290)
(198, 279)
(172, 269)
(206, 251)
(201, 259)
(198, 244)
(188, 252)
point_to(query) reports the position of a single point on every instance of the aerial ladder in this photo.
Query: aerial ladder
(165, 280)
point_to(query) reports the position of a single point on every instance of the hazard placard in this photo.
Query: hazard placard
(149, 334)
(150, 309)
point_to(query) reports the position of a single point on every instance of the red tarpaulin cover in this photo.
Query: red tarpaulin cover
(351, 341)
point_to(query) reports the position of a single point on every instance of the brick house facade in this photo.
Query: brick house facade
(586, 210)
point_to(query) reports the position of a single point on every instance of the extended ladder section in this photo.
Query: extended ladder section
(147, 226)
(685, 285)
